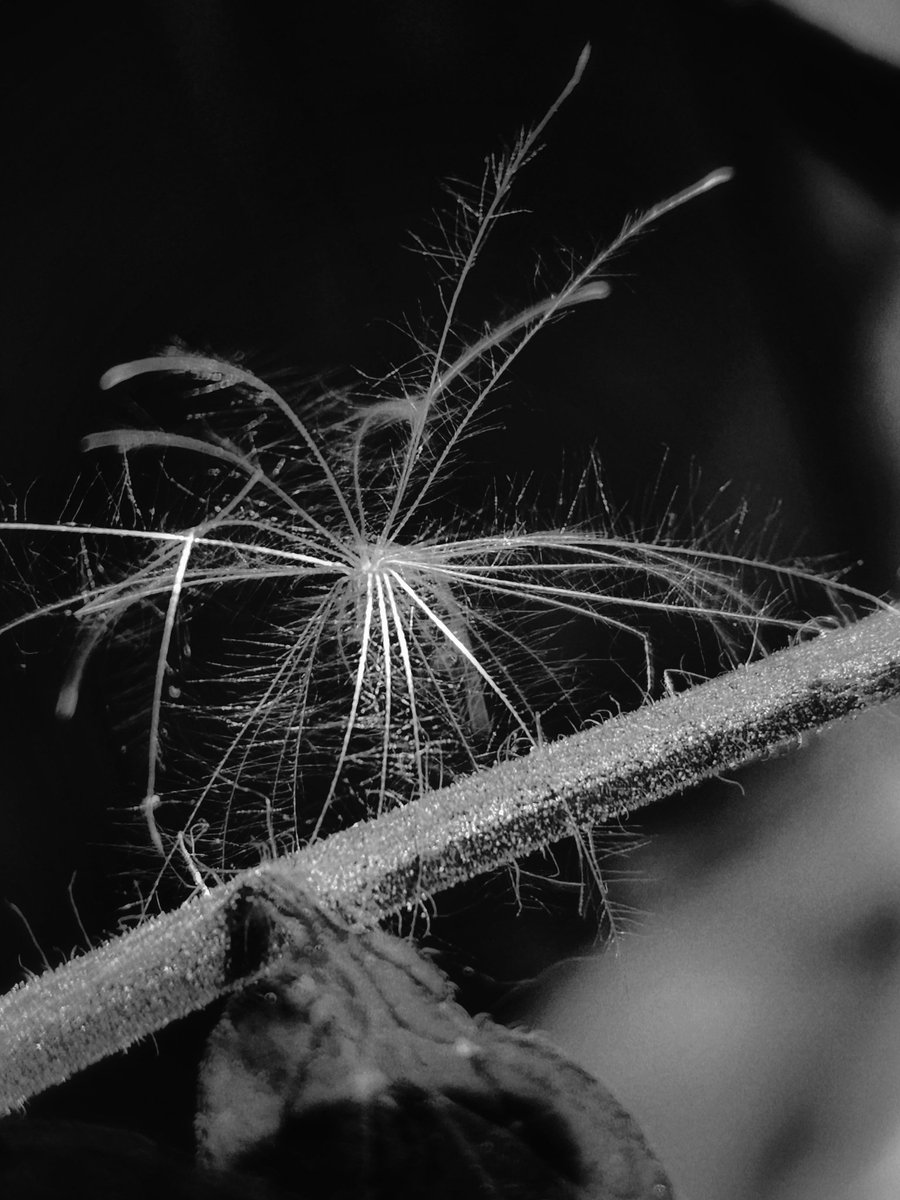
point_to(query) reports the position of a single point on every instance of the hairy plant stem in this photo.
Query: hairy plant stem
(97, 1004)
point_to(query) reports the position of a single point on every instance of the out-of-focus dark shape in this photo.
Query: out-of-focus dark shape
(46, 1160)
(841, 92)
(872, 26)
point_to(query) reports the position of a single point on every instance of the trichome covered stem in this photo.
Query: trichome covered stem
(135, 984)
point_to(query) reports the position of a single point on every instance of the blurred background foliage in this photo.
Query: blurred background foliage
(246, 177)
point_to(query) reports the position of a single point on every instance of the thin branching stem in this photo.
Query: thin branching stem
(100, 1003)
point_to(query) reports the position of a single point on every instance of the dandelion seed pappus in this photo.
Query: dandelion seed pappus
(350, 1071)
(299, 628)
